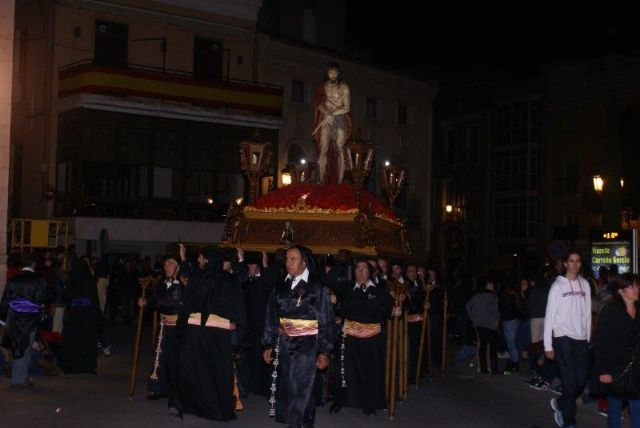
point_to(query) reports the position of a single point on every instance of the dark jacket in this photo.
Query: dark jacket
(510, 306)
(28, 286)
(537, 301)
(616, 339)
(482, 310)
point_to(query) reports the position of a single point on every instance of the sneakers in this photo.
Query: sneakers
(511, 368)
(534, 380)
(603, 412)
(503, 355)
(557, 390)
(106, 351)
(540, 384)
(557, 414)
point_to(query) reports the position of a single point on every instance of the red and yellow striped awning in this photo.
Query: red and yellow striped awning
(89, 78)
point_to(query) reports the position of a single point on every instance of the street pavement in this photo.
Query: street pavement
(462, 398)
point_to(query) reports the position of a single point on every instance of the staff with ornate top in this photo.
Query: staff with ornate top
(167, 300)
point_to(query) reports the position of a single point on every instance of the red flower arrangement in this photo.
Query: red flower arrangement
(329, 197)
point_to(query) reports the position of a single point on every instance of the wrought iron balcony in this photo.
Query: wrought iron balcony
(150, 82)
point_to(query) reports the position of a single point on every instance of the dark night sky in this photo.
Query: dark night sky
(517, 38)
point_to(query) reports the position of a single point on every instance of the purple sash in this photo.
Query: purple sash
(80, 302)
(23, 306)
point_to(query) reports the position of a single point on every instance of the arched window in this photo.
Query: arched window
(295, 154)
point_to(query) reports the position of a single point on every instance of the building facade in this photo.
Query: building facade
(7, 13)
(134, 110)
(593, 111)
(132, 113)
(487, 152)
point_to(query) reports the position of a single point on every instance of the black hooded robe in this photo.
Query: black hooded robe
(256, 297)
(80, 329)
(204, 382)
(415, 306)
(297, 388)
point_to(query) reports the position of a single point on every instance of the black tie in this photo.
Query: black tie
(288, 282)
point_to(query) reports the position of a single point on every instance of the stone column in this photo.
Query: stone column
(6, 71)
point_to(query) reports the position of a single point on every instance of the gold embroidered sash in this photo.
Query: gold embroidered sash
(361, 330)
(414, 317)
(169, 320)
(296, 327)
(214, 320)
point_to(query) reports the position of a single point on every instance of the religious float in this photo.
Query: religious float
(319, 209)
(325, 217)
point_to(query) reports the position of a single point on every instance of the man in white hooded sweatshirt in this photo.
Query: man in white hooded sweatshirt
(567, 331)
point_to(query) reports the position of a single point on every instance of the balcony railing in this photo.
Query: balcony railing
(171, 85)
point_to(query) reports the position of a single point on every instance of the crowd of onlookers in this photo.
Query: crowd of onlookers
(506, 320)
(111, 291)
(491, 319)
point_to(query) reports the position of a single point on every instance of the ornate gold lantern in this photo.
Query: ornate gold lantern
(392, 178)
(358, 159)
(255, 156)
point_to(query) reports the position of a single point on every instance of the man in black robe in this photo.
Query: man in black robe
(365, 307)
(213, 308)
(167, 300)
(436, 316)
(299, 336)
(257, 289)
(80, 330)
(415, 302)
(24, 297)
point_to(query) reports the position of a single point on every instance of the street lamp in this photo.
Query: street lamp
(392, 179)
(598, 184)
(622, 182)
(448, 208)
(255, 155)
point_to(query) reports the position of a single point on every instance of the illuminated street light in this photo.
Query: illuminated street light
(286, 178)
(598, 184)
(448, 208)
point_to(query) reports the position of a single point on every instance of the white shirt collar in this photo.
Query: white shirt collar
(28, 269)
(368, 284)
(169, 282)
(296, 280)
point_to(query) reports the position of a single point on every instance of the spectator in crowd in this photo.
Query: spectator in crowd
(523, 338)
(617, 344)
(510, 314)
(23, 301)
(484, 315)
(567, 331)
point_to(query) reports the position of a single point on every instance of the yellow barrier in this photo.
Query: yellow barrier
(31, 233)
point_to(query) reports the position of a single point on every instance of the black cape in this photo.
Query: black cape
(256, 297)
(19, 326)
(80, 329)
(204, 382)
